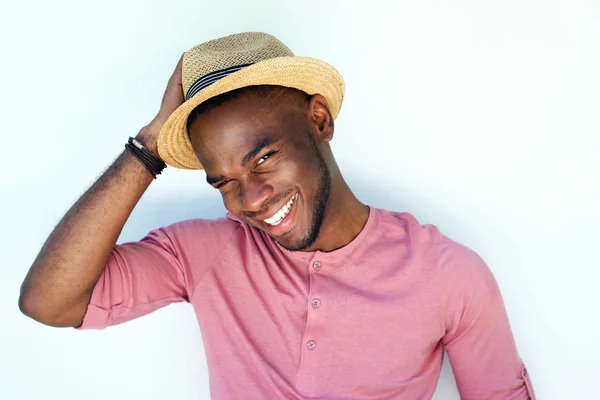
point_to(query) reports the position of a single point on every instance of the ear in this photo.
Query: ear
(320, 115)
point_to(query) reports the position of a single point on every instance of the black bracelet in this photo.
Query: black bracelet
(153, 164)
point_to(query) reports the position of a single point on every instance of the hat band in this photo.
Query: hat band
(211, 78)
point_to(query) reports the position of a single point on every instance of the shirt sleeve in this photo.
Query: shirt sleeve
(162, 268)
(478, 338)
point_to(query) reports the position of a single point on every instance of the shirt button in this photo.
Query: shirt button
(311, 344)
(316, 303)
(317, 265)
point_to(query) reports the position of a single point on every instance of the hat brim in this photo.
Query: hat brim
(304, 73)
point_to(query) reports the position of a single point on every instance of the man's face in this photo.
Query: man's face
(262, 155)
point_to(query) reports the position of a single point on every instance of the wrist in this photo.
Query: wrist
(148, 137)
(153, 163)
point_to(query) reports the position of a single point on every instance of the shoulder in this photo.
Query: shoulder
(447, 256)
(405, 226)
(200, 232)
(201, 226)
(460, 265)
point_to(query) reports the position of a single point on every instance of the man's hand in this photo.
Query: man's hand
(172, 99)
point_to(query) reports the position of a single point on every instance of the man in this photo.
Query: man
(302, 291)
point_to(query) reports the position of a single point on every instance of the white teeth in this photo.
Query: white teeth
(280, 215)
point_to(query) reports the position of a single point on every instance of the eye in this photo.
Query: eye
(222, 183)
(264, 158)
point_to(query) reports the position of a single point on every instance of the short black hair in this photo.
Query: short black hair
(261, 91)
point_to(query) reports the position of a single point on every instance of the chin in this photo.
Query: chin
(295, 243)
(290, 246)
(286, 240)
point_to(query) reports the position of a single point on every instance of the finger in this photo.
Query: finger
(180, 63)
(176, 76)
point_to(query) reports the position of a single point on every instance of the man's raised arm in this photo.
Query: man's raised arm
(58, 286)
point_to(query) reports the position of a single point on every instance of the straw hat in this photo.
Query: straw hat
(233, 62)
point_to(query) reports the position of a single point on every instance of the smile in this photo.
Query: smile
(281, 214)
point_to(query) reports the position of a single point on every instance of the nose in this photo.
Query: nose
(253, 194)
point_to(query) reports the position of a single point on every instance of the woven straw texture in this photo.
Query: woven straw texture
(230, 50)
(274, 64)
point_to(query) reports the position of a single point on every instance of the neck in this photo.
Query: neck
(345, 217)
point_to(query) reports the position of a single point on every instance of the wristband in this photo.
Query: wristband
(153, 164)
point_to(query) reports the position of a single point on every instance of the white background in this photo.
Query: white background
(479, 117)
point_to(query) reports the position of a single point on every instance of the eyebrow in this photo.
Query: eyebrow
(249, 156)
(264, 142)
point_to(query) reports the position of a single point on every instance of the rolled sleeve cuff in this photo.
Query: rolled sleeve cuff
(95, 318)
(528, 385)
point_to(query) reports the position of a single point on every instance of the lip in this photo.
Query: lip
(288, 220)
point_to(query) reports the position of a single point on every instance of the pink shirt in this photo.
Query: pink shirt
(368, 321)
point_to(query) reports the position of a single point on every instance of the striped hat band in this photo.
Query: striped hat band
(211, 78)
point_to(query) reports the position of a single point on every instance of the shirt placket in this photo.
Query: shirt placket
(308, 370)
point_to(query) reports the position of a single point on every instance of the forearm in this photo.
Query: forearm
(58, 286)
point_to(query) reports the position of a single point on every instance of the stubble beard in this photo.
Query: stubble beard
(322, 196)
